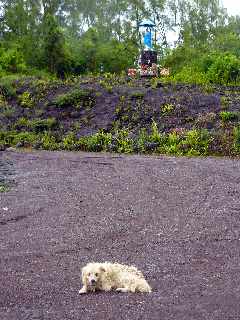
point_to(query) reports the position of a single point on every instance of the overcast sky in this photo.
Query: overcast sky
(232, 6)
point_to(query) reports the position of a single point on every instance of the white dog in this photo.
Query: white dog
(112, 276)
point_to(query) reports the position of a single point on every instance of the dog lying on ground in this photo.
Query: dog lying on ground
(112, 276)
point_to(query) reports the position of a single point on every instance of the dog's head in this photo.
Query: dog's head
(92, 275)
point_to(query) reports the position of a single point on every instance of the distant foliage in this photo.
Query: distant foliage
(55, 51)
(64, 38)
(93, 54)
(12, 61)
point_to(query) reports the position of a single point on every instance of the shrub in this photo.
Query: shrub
(49, 141)
(73, 98)
(171, 144)
(189, 74)
(7, 87)
(4, 187)
(100, 141)
(11, 60)
(26, 100)
(142, 139)
(124, 144)
(40, 125)
(8, 111)
(12, 138)
(224, 102)
(155, 136)
(236, 137)
(196, 142)
(69, 142)
(25, 137)
(228, 116)
(225, 69)
(167, 108)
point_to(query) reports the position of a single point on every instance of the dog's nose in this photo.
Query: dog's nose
(93, 281)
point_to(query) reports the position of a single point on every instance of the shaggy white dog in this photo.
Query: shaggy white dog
(112, 276)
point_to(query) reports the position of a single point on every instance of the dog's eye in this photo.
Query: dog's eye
(96, 274)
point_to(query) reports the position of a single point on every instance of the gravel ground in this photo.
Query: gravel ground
(176, 219)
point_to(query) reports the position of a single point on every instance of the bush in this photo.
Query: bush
(73, 98)
(228, 116)
(100, 141)
(225, 69)
(12, 138)
(189, 74)
(49, 142)
(196, 142)
(36, 125)
(26, 100)
(123, 143)
(12, 60)
(236, 137)
(171, 144)
(7, 87)
(69, 142)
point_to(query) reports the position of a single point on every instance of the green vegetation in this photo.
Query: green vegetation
(167, 108)
(26, 100)
(63, 82)
(64, 38)
(178, 142)
(236, 139)
(224, 102)
(137, 95)
(4, 187)
(75, 98)
(229, 116)
(7, 87)
(36, 125)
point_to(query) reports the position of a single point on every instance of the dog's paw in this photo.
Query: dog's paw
(82, 291)
(122, 290)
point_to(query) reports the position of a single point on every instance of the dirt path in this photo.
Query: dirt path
(176, 219)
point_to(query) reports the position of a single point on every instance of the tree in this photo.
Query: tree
(55, 52)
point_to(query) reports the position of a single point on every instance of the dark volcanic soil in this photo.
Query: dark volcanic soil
(176, 219)
(120, 103)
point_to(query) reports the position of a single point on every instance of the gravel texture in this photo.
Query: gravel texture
(176, 219)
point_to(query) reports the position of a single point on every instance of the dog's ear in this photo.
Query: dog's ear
(84, 271)
(102, 269)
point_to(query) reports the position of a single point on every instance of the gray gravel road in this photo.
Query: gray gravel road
(176, 219)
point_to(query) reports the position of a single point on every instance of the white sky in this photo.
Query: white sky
(232, 6)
